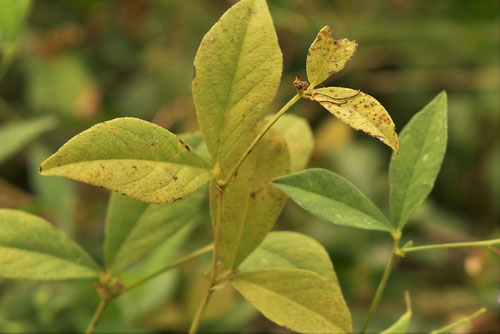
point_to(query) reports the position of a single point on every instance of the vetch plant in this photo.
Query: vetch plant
(158, 181)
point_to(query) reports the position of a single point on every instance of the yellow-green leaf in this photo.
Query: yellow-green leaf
(251, 204)
(133, 157)
(237, 72)
(291, 250)
(327, 56)
(299, 138)
(360, 111)
(300, 300)
(31, 248)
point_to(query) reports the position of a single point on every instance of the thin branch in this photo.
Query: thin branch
(97, 316)
(452, 245)
(259, 137)
(172, 265)
(460, 322)
(381, 286)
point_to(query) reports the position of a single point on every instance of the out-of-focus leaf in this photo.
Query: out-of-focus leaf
(360, 111)
(15, 135)
(290, 250)
(413, 171)
(300, 300)
(331, 197)
(63, 85)
(12, 14)
(134, 229)
(237, 72)
(134, 157)
(327, 56)
(299, 139)
(150, 295)
(32, 249)
(56, 194)
(251, 204)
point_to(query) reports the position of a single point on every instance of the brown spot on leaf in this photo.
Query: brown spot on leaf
(39, 169)
(174, 178)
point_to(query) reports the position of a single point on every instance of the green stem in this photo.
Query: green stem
(97, 316)
(462, 321)
(381, 286)
(196, 321)
(452, 245)
(259, 137)
(172, 265)
(213, 269)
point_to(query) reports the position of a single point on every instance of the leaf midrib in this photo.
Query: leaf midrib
(118, 159)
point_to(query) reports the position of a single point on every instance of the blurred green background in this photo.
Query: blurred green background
(80, 62)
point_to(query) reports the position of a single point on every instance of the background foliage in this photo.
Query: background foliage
(81, 62)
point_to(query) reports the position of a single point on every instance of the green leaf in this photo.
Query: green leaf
(31, 248)
(251, 204)
(290, 250)
(413, 172)
(331, 197)
(300, 300)
(12, 14)
(360, 111)
(299, 139)
(153, 293)
(134, 229)
(237, 72)
(15, 135)
(327, 56)
(401, 325)
(134, 157)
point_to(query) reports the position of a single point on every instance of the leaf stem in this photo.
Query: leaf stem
(462, 321)
(213, 269)
(172, 265)
(452, 245)
(381, 285)
(97, 316)
(259, 137)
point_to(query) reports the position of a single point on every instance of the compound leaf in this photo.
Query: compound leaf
(290, 250)
(251, 204)
(300, 300)
(15, 135)
(327, 56)
(331, 197)
(31, 248)
(237, 72)
(134, 157)
(299, 139)
(413, 172)
(360, 111)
